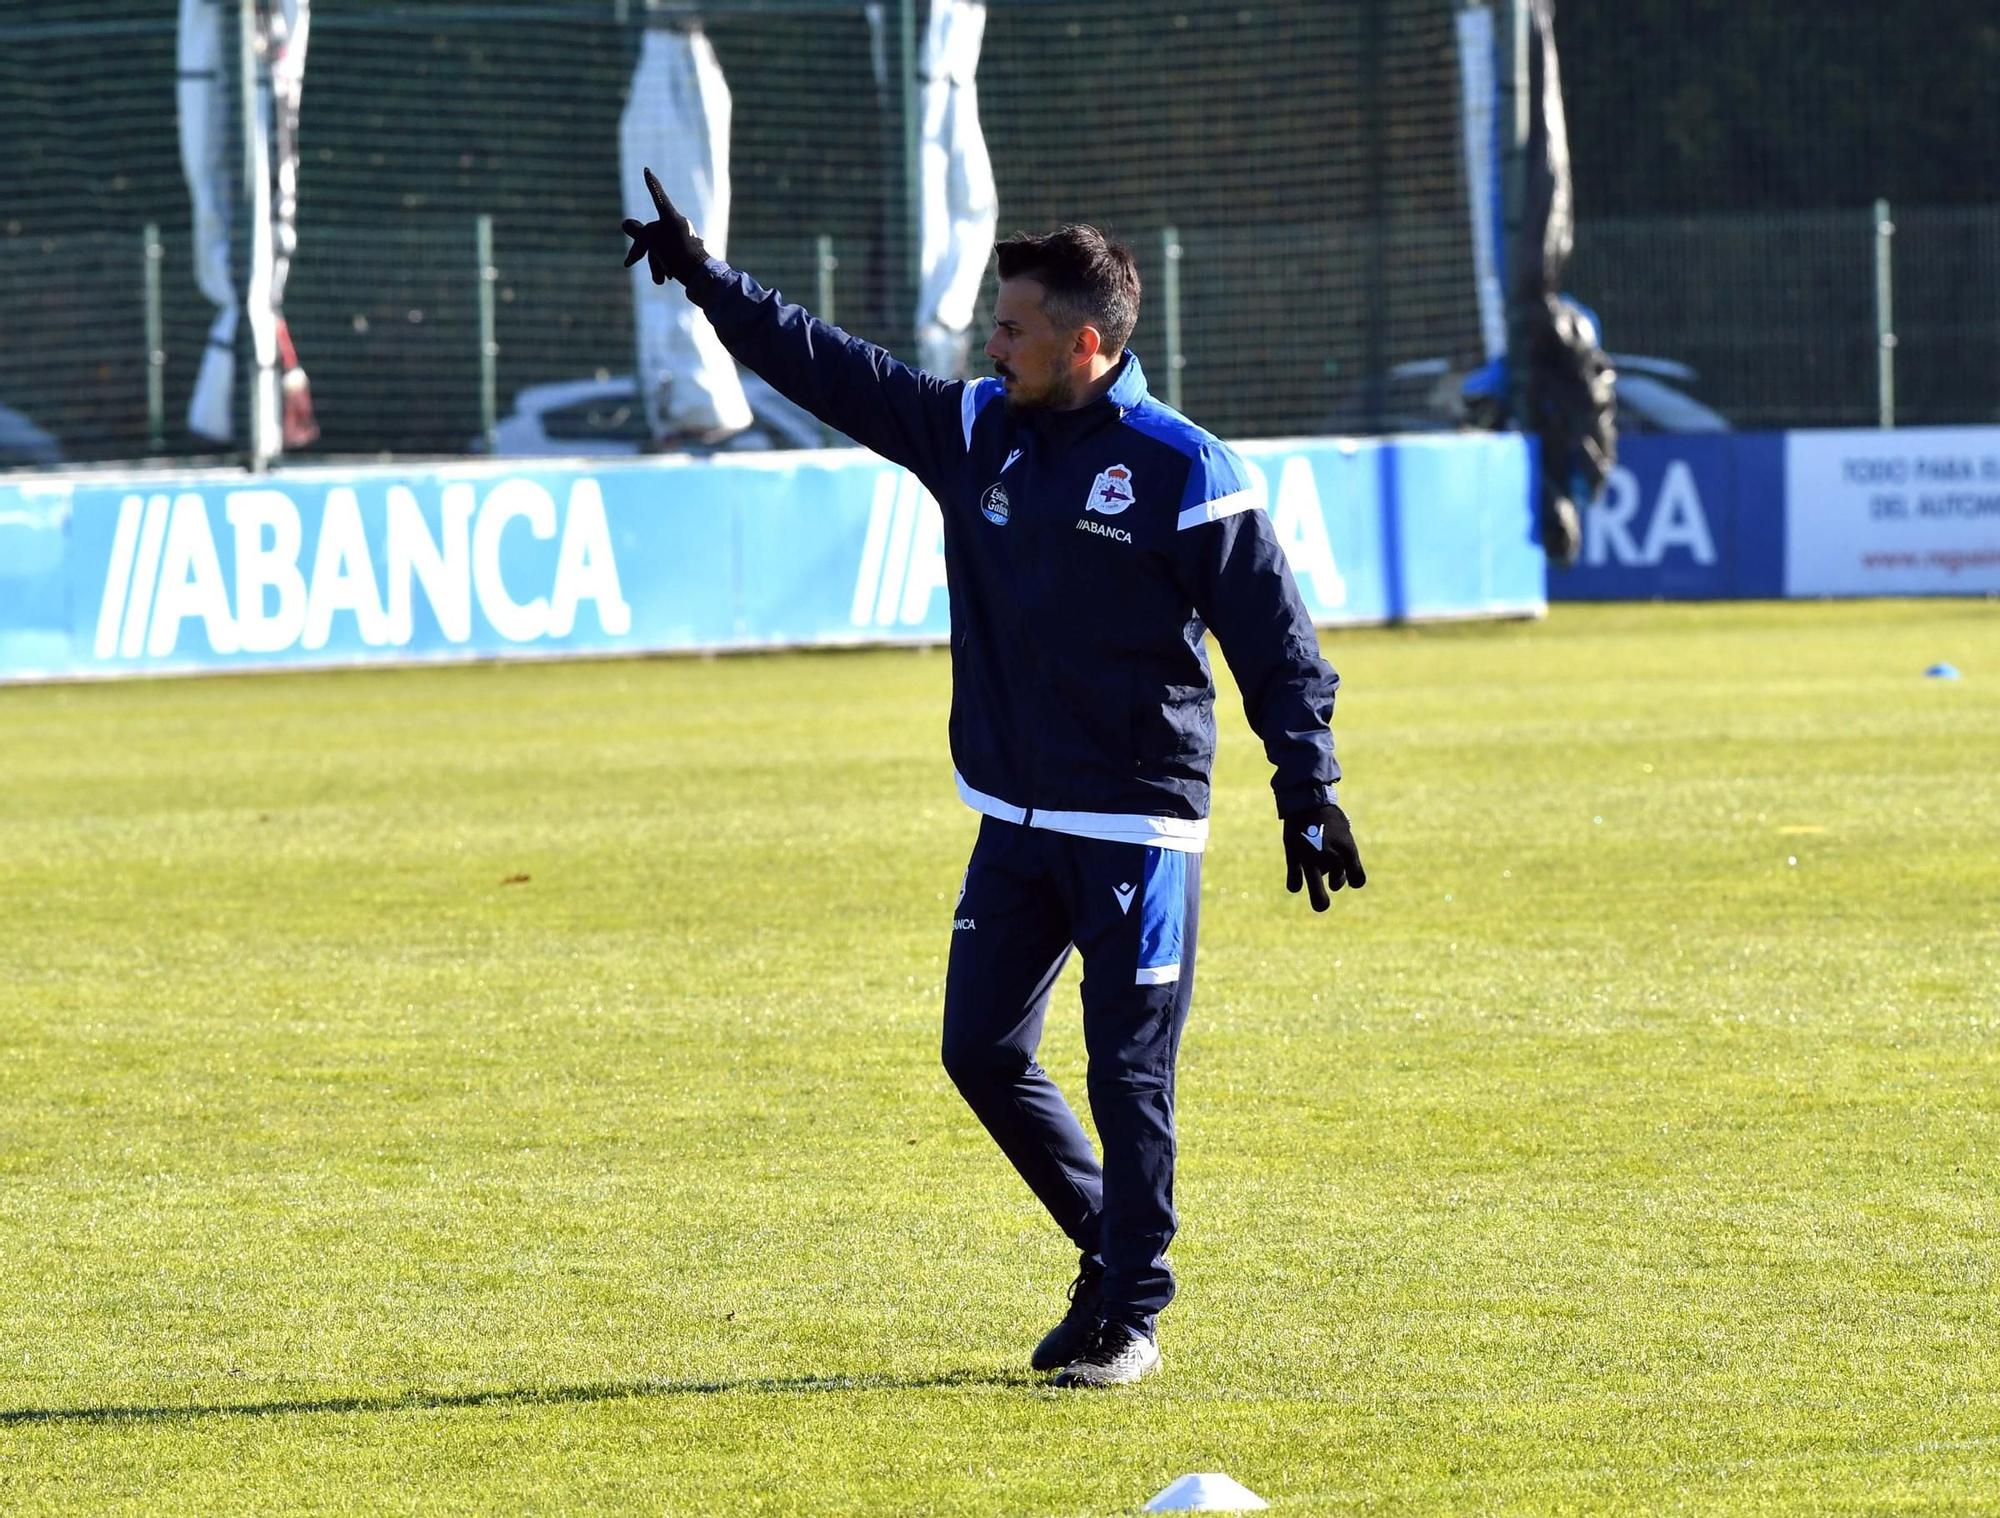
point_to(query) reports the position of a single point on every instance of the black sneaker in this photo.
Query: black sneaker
(1113, 1355)
(1061, 1343)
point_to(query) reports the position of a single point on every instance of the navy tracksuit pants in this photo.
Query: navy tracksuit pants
(1030, 896)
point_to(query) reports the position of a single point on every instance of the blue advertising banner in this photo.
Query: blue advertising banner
(319, 566)
(1864, 512)
(1685, 518)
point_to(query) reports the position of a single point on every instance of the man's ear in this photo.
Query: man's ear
(1089, 343)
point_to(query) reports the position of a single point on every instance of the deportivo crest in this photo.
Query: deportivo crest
(1111, 491)
(994, 506)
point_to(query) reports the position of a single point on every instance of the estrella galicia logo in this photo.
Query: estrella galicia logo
(993, 505)
(1111, 491)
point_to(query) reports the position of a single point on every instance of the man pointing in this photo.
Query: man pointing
(1092, 536)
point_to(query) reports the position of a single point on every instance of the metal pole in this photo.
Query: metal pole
(912, 157)
(1516, 120)
(262, 445)
(1375, 111)
(1885, 316)
(824, 265)
(489, 346)
(1170, 252)
(156, 343)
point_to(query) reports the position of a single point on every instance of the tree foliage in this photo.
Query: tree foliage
(1710, 105)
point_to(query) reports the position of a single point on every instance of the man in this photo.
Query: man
(1090, 536)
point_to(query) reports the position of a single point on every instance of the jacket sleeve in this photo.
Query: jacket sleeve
(1228, 557)
(911, 418)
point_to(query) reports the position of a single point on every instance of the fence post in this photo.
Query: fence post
(1516, 109)
(1170, 253)
(824, 264)
(1885, 315)
(156, 343)
(913, 147)
(489, 346)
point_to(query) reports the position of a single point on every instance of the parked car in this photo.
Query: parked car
(23, 445)
(1653, 396)
(1428, 395)
(593, 417)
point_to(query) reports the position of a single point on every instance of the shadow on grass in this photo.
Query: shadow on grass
(533, 1396)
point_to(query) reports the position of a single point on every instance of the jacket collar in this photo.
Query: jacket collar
(1127, 390)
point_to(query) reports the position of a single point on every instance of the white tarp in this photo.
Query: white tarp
(210, 39)
(285, 55)
(676, 122)
(211, 182)
(958, 204)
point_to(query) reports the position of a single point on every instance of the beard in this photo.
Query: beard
(1058, 395)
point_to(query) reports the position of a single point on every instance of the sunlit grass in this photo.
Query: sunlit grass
(515, 1089)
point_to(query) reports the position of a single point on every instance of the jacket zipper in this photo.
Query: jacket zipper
(1030, 459)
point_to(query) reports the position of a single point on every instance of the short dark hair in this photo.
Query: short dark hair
(1088, 277)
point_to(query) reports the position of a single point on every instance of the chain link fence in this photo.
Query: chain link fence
(1303, 160)
(1778, 312)
(1292, 171)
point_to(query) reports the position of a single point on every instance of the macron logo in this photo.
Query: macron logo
(1125, 893)
(1011, 457)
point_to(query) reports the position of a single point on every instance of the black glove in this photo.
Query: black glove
(1319, 842)
(669, 246)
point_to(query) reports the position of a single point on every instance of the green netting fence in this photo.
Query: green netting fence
(1306, 156)
(1292, 170)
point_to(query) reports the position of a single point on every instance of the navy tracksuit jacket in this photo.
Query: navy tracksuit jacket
(1086, 552)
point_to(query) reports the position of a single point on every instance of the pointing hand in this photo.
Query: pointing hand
(669, 246)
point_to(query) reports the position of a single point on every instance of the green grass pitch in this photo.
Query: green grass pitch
(514, 1089)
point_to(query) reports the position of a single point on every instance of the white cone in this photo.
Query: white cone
(1211, 1492)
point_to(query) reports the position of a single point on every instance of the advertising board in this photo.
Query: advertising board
(321, 566)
